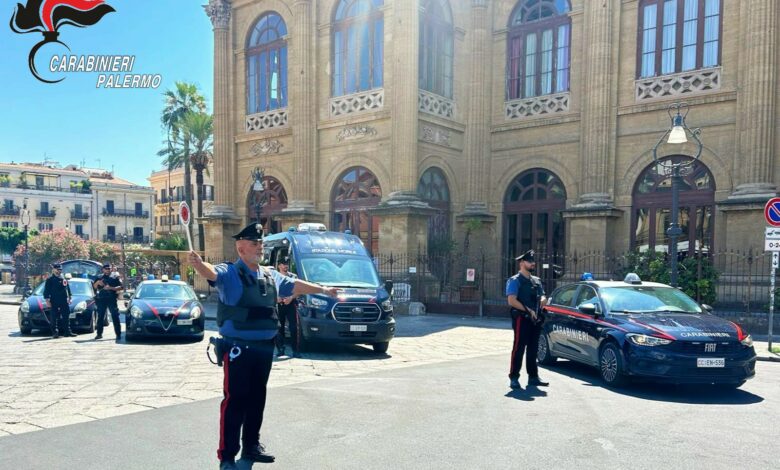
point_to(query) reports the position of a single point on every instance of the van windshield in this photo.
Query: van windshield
(339, 270)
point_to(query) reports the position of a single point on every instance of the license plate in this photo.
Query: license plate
(184, 322)
(358, 327)
(710, 362)
(72, 315)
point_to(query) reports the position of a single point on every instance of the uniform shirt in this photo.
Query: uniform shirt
(56, 289)
(526, 292)
(230, 289)
(105, 294)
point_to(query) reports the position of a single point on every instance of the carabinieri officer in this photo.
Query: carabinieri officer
(525, 295)
(248, 321)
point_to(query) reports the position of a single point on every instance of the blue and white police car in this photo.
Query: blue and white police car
(634, 329)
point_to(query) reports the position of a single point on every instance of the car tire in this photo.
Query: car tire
(611, 365)
(381, 348)
(543, 353)
(92, 323)
(24, 330)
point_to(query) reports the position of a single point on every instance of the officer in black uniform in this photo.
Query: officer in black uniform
(287, 314)
(107, 287)
(56, 291)
(248, 323)
(525, 295)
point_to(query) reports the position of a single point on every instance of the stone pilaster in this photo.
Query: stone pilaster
(596, 151)
(405, 45)
(757, 97)
(303, 98)
(404, 225)
(219, 12)
(478, 123)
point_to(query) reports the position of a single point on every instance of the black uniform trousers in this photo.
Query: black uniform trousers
(288, 314)
(526, 341)
(110, 304)
(60, 318)
(244, 391)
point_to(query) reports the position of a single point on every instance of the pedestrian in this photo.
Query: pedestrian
(56, 291)
(288, 313)
(108, 286)
(248, 323)
(525, 295)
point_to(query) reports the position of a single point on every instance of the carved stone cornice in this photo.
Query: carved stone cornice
(435, 136)
(266, 146)
(218, 12)
(355, 132)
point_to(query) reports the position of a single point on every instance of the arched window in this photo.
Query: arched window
(266, 58)
(433, 189)
(358, 42)
(533, 219)
(356, 191)
(266, 204)
(436, 48)
(652, 202)
(678, 35)
(539, 45)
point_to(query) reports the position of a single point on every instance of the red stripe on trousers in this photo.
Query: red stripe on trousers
(222, 408)
(514, 348)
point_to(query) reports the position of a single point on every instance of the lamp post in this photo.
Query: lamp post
(677, 134)
(123, 240)
(24, 215)
(258, 187)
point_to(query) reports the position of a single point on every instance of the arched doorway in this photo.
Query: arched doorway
(433, 189)
(269, 202)
(533, 219)
(652, 202)
(356, 191)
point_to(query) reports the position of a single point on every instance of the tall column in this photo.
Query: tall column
(304, 110)
(221, 221)
(224, 163)
(596, 151)
(478, 124)
(404, 60)
(757, 95)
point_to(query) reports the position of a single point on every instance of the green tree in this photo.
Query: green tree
(654, 267)
(198, 128)
(185, 98)
(53, 246)
(171, 242)
(10, 238)
(102, 252)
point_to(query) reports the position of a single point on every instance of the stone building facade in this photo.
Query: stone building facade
(526, 123)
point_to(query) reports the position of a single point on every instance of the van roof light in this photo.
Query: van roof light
(632, 278)
(164, 278)
(311, 226)
(348, 232)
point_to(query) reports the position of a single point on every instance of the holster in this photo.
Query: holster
(220, 348)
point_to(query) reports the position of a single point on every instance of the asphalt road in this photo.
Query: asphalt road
(458, 414)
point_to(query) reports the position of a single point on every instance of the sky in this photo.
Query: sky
(73, 122)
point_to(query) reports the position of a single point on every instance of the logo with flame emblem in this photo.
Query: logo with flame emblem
(47, 16)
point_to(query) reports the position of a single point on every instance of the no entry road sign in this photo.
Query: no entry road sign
(772, 212)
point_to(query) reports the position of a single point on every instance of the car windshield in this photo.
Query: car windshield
(76, 288)
(164, 291)
(339, 270)
(643, 299)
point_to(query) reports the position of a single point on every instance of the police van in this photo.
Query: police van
(362, 313)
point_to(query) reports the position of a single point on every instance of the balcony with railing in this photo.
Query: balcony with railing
(49, 214)
(9, 211)
(140, 239)
(78, 189)
(79, 216)
(125, 213)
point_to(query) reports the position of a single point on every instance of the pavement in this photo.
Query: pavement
(760, 342)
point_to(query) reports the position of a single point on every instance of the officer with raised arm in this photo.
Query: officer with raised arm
(248, 323)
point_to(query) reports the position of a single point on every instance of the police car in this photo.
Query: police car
(164, 308)
(34, 314)
(635, 329)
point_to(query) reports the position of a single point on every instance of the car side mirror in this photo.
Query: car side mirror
(26, 292)
(707, 308)
(588, 309)
(389, 287)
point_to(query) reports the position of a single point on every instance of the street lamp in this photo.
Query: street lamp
(677, 134)
(123, 240)
(259, 187)
(24, 216)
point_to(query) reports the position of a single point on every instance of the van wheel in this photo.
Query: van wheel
(543, 354)
(381, 348)
(611, 365)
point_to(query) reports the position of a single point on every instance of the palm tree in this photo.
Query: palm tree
(185, 98)
(198, 129)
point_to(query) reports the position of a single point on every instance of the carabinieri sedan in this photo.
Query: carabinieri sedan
(635, 329)
(33, 313)
(164, 308)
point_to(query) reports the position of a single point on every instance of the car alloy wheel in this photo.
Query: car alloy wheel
(543, 354)
(611, 365)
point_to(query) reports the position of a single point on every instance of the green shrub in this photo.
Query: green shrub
(654, 266)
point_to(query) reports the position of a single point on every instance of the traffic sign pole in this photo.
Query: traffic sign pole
(775, 261)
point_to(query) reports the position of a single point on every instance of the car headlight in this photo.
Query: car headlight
(25, 307)
(747, 341)
(195, 313)
(387, 305)
(136, 312)
(80, 307)
(645, 340)
(317, 303)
